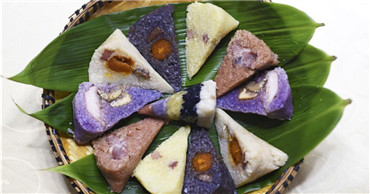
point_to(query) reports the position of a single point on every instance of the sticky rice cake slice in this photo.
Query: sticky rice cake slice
(246, 54)
(196, 104)
(118, 153)
(98, 107)
(154, 36)
(206, 25)
(267, 93)
(205, 171)
(162, 171)
(118, 61)
(246, 156)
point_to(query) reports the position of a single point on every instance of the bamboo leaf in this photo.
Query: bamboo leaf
(86, 171)
(63, 64)
(310, 67)
(58, 115)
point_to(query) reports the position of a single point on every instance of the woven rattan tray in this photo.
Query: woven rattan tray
(66, 150)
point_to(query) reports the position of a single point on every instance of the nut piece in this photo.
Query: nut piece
(205, 177)
(125, 99)
(251, 90)
(110, 96)
(246, 94)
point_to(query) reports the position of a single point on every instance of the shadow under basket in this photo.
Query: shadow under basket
(65, 148)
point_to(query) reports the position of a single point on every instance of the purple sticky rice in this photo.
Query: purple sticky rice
(86, 127)
(158, 25)
(280, 107)
(218, 177)
(160, 108)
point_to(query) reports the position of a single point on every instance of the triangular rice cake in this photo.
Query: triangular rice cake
(206, 25)
(98, 107)
(119, 152)
(245, 55)
(246, 156)
(162, 171)
(205, 171)
(196, 104)
(267, 94)
(118, 61)
(154, 36)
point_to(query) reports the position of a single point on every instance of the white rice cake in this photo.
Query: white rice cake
(162, 171)
(118, 61)
(246, 156)
(206, 25)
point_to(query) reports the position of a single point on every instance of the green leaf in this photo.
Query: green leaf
(310, 67)
(63, 64)
(316, 112)
(86, 171)
(58, 115)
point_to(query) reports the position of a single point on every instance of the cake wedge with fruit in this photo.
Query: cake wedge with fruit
(206, 25)
(162, 171)
(205, 171)
(246, 156)
(116, 60)
(154, 36)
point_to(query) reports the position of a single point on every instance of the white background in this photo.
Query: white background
(340, 164)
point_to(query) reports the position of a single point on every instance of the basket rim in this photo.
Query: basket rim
(79, 16)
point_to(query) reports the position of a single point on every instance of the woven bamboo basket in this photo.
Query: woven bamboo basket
(65, 148)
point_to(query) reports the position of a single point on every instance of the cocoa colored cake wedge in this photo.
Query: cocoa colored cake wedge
(119, 152)
(246, 54)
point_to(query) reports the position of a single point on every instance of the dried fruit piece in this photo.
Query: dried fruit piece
(202, 162)
(161, 49)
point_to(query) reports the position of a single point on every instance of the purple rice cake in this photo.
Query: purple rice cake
(119, 152)
(245, 55)
(97, 108)
(196, 104)
(154, 36)
(205, 171)
(267, 94)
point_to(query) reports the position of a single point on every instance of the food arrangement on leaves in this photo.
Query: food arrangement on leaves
(139, 80)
